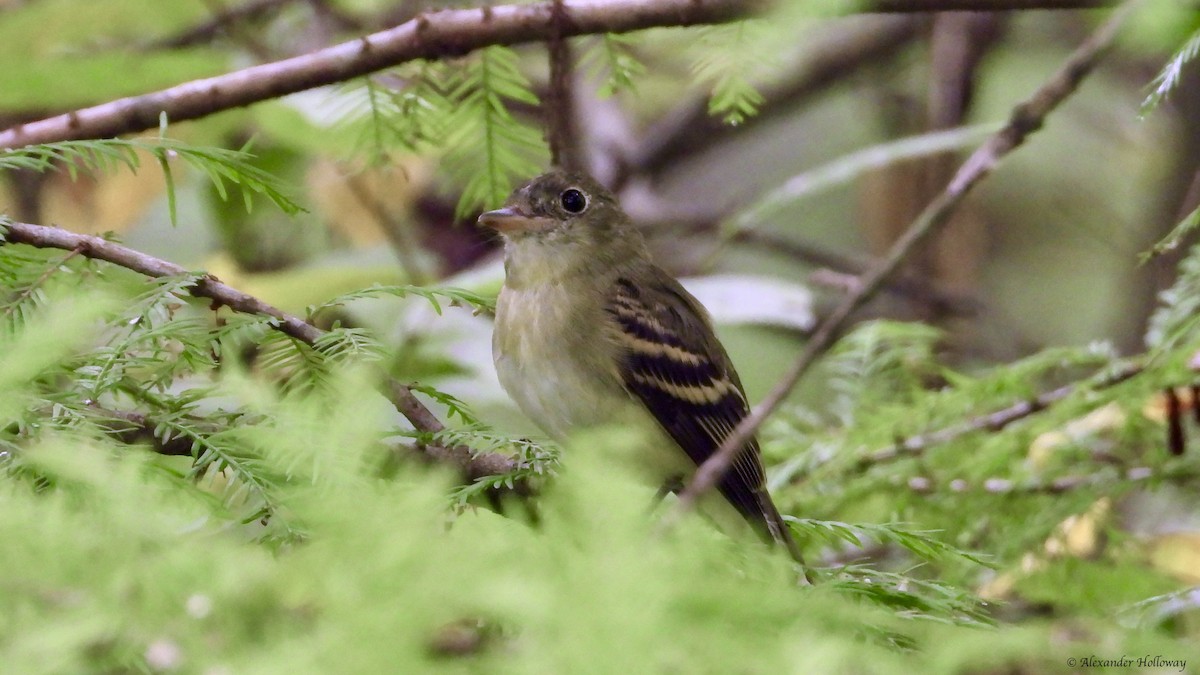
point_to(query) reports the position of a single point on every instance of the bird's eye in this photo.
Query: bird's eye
(573, 200)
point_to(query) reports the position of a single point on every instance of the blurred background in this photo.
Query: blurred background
(761, 159)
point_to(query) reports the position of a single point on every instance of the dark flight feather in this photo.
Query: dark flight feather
(673, 364)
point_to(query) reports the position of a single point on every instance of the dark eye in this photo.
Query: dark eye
(573, 201)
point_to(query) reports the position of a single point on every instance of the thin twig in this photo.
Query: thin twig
(219, 22)
(562, 128)
(133, 427)
(922, 6)
(915, 446)
(1026, 118)
(399, 234)
(690, 129)
(208, 286)
(37, 283)
(833, 263)
(830, 264)
(1054, 486)
(237, 32)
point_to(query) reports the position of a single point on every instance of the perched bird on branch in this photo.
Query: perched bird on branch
(590, 332)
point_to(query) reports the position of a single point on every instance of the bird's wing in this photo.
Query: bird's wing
(672, 362)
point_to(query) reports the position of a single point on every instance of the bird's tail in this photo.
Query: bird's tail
(782, 534)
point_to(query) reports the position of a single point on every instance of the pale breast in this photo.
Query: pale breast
(553, 370)
(565, 390)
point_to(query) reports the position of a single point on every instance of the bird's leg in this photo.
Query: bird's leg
(671, 485)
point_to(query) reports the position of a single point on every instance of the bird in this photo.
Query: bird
(590, 332)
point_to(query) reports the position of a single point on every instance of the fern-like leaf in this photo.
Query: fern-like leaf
(1168, 78)
(533, 461)
(489, 150)
(405, 109)
(355, 344)
(455, 407)
(617, 64)
(1178, 315)
(727, 64)
(915, 598)
(296, 365)
(1174, 238)
(458, 298)
(881, 361)
(921, 544)
(219, 165)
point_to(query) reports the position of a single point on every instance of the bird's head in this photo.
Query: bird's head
(563, 221)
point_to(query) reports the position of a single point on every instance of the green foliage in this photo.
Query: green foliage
(279, 539)
(1164, 83)
(459, 110)
(1175, 237)
(270, 540)
(405, 110)
(458, 298)
(533, 461)
(1168, 78)
(1174, 323)
(616, 60)
(912, 598)
(880, 362)
(455, 407)
(221, 166)
(727, 67)
(853, 166)
(488, 149)
(353, 345)
(921, 544)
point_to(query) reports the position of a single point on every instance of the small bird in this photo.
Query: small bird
(589, 331)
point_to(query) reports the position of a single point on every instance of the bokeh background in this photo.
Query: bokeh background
(769, 162)
(1045, 253)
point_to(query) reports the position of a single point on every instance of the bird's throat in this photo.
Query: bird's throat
(533, 261)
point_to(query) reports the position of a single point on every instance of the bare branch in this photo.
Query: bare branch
(97, 248)
(37, 283)
(914, 446)
(562, 128)
(397, 232)
(911, 6)
(430, 35)
(133, 427)
(846, 272)
(690, 129)
(834, 269)
(221, 21)
(1026, 118)
(1004, 486)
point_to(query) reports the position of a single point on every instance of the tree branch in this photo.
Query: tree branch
(690, 129)
(221, 21)
(913, 6)
(562, 128)
(1026, 118)
(914, 446)
(430, 35)
(133, 427)
(846, 272)
(1004, 486)
(207, 286)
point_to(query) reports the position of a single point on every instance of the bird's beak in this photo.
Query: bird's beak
(509, 220)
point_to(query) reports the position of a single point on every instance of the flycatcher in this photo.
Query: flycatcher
(590, 332)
